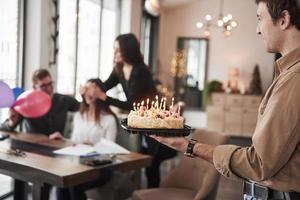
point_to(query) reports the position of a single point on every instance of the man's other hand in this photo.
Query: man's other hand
(13, 117)
(56, 136)
(177, 143)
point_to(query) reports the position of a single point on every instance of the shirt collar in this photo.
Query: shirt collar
(287, 61)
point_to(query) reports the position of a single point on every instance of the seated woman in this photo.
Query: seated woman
(94, 121)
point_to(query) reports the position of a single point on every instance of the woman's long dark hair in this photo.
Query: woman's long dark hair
(99, 104)
(130, 51)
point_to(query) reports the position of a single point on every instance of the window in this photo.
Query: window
(110, 24)
(149, 40)
(145, 35)
(67, 46)
(11, 46)
(10, 42)
(86, 41)
(11, 51)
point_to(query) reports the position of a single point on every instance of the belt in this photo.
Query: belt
(264, 193)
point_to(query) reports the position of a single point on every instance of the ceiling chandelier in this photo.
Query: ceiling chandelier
(225, 22)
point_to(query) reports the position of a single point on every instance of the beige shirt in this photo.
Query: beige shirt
(273, 159)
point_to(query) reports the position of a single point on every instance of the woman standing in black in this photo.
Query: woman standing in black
(131, 71)
(137, 83)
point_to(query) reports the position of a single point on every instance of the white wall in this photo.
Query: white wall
(243, 49)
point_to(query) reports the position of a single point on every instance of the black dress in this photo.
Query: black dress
(140, 86)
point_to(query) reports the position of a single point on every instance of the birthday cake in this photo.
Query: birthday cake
(155, 117)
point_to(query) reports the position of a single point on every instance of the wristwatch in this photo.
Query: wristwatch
(190, 148)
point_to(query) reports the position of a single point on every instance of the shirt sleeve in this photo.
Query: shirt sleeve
(73, 104)
(111, 82)
(275, 138)
(5, 127)
(125, 105)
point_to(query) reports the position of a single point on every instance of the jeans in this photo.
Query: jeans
(248, 197)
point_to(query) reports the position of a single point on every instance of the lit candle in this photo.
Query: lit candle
(161, 103)
(179, 109)
(134, 108)
(147, 103)
(142, 104)
(156, 102)
(172, 102)
(165, 103)
(152, 104)
(138, 106)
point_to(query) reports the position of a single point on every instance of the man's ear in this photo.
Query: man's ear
(285, 20)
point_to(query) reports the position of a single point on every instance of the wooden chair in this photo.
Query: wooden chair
(193, 178)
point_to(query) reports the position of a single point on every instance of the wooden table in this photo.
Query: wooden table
(43, 168)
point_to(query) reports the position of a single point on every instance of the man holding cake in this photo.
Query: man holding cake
(273, 160)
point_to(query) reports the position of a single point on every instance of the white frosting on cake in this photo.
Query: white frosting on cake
(154, 118)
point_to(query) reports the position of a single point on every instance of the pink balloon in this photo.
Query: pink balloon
(33, 104)
(6, 95)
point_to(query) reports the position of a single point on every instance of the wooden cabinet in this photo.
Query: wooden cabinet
(233, 114)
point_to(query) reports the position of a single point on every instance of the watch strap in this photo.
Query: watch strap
(190, 148)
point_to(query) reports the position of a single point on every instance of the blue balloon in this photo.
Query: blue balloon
(17, 91)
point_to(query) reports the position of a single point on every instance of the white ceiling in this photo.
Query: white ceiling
(173, 3)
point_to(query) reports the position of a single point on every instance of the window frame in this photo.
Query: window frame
(19, 76)
(20, 56)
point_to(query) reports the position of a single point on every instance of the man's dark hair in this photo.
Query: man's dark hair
(276, 7)
(39, 75)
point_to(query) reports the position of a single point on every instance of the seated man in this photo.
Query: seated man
(52, 123)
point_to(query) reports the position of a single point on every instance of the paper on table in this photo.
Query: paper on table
(76, 150)
(102, 147)
(109, 147)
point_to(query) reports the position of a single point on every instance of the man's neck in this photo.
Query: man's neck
(291, 42)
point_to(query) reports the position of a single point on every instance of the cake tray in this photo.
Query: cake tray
(155, 131)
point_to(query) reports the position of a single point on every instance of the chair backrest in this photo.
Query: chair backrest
(195, 173)
(132, 142)
(69, 124)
